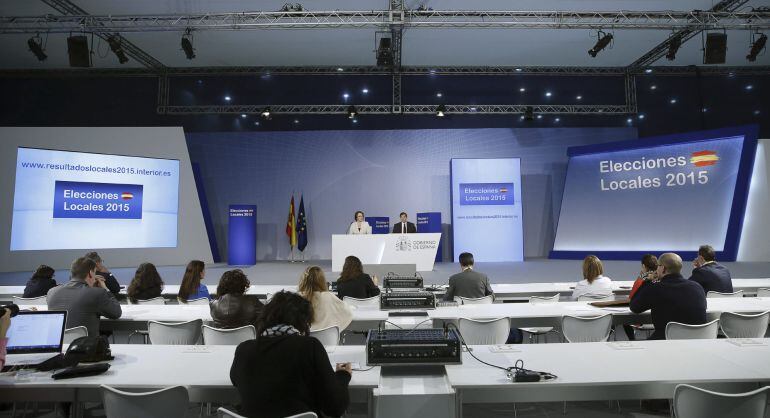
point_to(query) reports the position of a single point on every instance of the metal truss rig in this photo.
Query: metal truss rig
(405, 109)
(386, 19)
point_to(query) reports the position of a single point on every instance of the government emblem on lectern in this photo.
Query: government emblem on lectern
(403, 244)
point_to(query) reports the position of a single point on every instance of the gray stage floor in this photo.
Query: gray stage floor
(530, 271)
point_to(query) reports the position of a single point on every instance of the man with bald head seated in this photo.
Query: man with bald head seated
(672, 298)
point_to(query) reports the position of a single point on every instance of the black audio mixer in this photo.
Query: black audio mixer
(401, 347)
(407, 300)
(402, 282)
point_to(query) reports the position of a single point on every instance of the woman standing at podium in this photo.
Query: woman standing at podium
(359, 226)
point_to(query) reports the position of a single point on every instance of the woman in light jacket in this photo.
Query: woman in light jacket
(594, 281)
(359, 226)
(328, 309)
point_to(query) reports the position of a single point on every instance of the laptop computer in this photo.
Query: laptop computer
(35, 336)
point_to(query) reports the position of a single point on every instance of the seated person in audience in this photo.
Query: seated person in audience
(5, 323)
(354, 283)
(146, 283)
(284, 372)
(233, 308)
(191, 287)
(671, 298)
(101, 270)
(328, 309)
(85, 297)
(649, 266)
(468, 283)
(713, 276)
(40, 283)
(594, 282)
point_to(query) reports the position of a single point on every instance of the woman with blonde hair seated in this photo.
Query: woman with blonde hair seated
(328, 309)
(594, 281)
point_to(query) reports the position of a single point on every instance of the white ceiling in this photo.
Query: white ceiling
(333, 47)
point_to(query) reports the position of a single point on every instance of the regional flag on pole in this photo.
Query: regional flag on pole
(291, 229)
(301, 225)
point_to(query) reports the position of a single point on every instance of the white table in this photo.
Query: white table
(418, 249)
(597, 371)
(204, 370)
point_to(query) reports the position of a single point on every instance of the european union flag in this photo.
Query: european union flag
(301, 226)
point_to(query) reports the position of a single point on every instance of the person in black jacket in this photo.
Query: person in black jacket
(284, 371)
(353, 282)
(101, 270)
(146, 283)
(671, 299)
(712, 276)
(233, 308)
(40, 283)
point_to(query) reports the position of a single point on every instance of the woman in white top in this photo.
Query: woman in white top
(328, 309)
(594, 282)
(359, 226)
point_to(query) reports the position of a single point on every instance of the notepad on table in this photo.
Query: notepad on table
(625, 345)
(746, 342)
(503, 348)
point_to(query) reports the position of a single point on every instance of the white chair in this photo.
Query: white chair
(578, 329)
(588, 297)
(154, 301)
(170, 402)
(226, 413)
(233, 336)
(538, 331)
(484, 332)
(40, 300)
(693, 402)
(486, 300)
(72, 334)
(763, 292)
(713, 294)
(372, 302)
(180, 333)
(305, 415)
(329, 337)
(199, 301)
(736, 325)
(679, 331)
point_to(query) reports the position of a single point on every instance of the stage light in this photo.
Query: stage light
(440, 111)
(757, 47)
(345, 96)
(228, 98)
(604, 40)
(352, 112)
(243, 115)
(289, 7)
(672, 101)
(548, 94)
(579, 98)
(529, 113)
(522, 90)
(256, 123)
(355, 120)
(556, 120)
(749, 87)
(648, 71)
(265, 113)
(756, 112)
(365, 91)
(540, 116)
(296, 121)
(35, 45)
(641, 116)
(653, 87)
(439, 94)
(340, 69)
(117, 49)
(673, 47)
(629, 120)
(187, 45)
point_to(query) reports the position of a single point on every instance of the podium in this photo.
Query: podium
(417, 249)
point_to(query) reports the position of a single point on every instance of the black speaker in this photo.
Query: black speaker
(716, 48)
(77, 47)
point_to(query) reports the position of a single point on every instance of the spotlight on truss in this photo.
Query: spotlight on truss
(604, 40)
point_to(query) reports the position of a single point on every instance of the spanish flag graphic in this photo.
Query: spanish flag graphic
(126, 196)
(503, 190)
(704, 158)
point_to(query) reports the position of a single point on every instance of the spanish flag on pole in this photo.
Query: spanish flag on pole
(291, 226)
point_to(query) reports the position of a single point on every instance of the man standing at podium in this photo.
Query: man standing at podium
(404, 227)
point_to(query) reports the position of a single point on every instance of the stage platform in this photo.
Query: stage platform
(529, 271)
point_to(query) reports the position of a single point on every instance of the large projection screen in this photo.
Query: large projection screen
(80, 200)
(486, 208)
(654, 195)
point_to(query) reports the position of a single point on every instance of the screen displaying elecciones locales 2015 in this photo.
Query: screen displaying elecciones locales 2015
(80, 200)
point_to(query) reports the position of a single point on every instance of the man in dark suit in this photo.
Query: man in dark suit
(712, 276)
(671, 299)
(404, 227)
(85, 297)
(468, 283)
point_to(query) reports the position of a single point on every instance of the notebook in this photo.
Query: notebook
(35, 336)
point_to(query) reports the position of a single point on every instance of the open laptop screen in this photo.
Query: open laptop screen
(36, 332)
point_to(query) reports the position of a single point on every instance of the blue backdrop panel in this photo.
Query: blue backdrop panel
(242, 235)
(379, 224)
(656, 195)
(431, 222)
